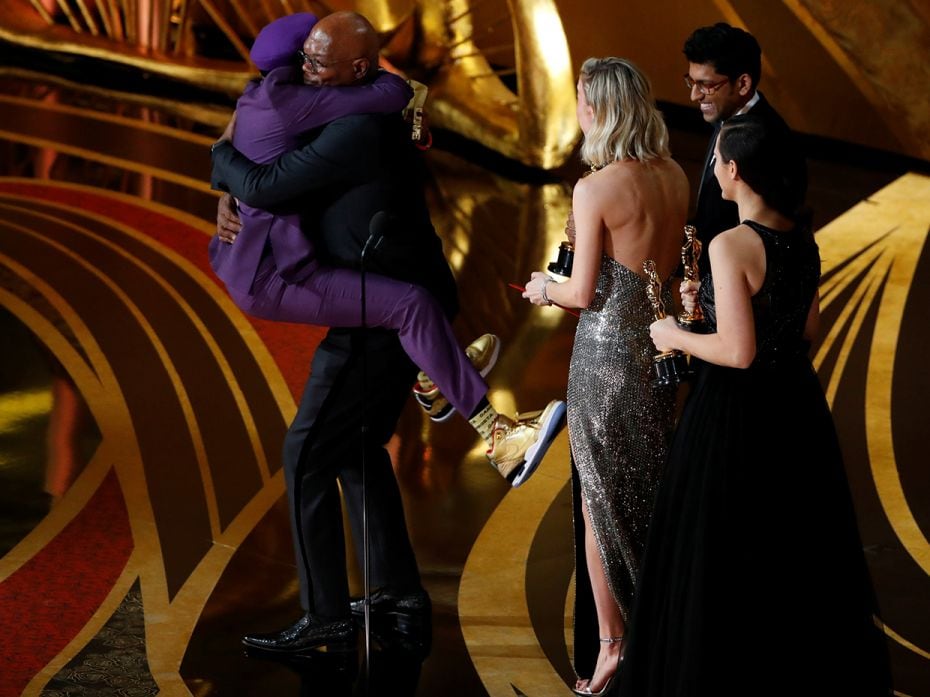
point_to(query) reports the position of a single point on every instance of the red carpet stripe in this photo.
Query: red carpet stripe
(53, 596)
(291, 345)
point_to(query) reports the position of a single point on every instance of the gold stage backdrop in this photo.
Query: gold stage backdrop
(502, 72)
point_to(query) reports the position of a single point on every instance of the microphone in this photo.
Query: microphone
(381, 224)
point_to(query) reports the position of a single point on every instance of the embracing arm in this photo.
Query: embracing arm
(734, 343)
(304, 108)
(338, 155)
(577, 291)
(386, 94)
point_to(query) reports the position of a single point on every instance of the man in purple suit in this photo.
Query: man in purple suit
(279, 111)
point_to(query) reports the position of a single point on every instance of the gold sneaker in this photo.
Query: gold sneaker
(519, 445)
(482, 353)
(434, 404)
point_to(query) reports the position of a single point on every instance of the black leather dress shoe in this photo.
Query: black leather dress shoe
(307, 633)
(387, 602)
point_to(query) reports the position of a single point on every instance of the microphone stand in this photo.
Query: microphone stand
(374, 239)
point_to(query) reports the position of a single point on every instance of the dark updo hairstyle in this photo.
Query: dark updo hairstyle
(764, 157)
(730, 50)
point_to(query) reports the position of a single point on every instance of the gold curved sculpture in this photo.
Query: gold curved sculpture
(534, 124)
(437, 41)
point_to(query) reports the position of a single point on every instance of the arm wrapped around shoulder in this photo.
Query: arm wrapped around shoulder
(339, 154)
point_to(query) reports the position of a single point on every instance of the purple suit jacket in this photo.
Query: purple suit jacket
(272, 116)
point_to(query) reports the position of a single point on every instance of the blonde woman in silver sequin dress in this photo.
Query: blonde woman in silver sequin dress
(632, 207)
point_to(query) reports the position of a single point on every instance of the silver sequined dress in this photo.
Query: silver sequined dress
(619, 421)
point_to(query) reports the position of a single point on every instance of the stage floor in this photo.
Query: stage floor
(141, 419)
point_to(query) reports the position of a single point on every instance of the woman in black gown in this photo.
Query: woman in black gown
(754, 581)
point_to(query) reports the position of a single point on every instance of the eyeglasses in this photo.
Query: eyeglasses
(703, 86)
(315, 64)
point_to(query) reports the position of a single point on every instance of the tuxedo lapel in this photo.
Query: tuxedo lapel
(708, 170)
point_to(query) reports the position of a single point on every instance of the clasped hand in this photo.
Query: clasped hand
(665, 332)
(227, 219)
(535, 286)
(689, 295)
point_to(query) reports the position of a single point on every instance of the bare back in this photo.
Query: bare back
(643, 208)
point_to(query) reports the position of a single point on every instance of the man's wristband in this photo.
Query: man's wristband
(217, 144)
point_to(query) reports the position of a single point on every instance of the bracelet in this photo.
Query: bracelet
(544, 295)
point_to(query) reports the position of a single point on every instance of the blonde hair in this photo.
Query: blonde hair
(627, 124)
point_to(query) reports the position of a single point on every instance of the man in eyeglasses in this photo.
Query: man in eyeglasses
(724, 67)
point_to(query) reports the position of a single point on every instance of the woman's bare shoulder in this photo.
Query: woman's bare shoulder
(605, 182)
(660, 167)
(616, 178)
(730, 236)
(736, 241)
(626, 179)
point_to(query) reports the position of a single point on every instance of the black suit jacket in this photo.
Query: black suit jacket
(353, 168)
(712, 214)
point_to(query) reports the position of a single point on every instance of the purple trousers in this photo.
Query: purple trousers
(331, 297)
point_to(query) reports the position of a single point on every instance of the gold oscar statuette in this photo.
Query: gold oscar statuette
(690, 255)
(671, 366)
(561, 268)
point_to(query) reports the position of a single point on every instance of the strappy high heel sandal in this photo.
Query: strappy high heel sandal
(586, 691)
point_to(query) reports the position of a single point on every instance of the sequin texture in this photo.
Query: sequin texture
(619, 420)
